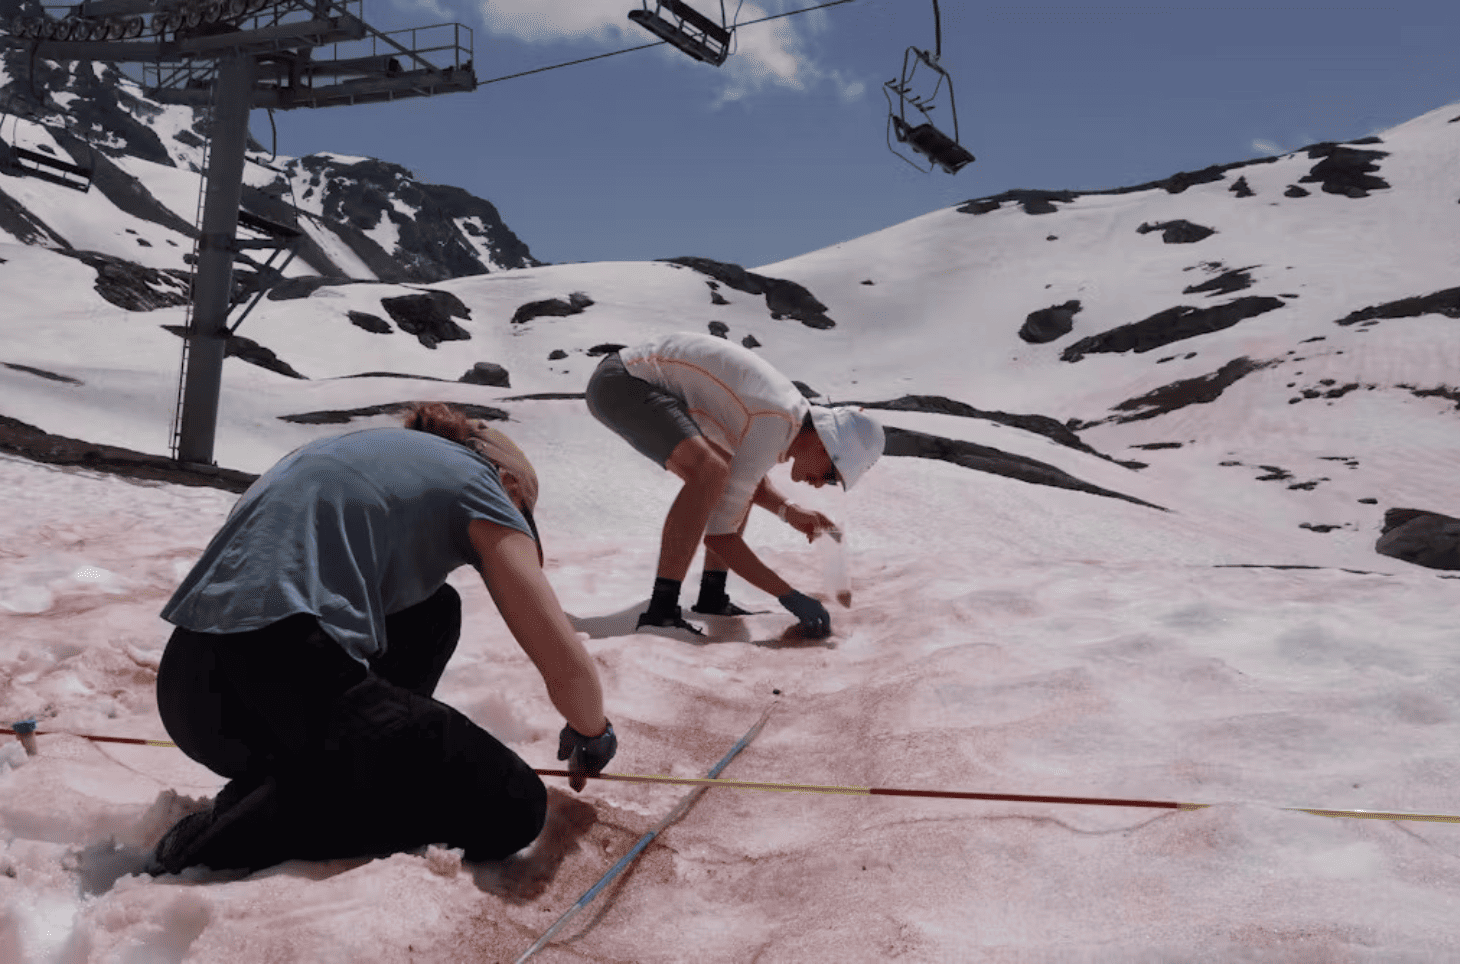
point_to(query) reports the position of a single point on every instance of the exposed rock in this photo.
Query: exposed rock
(1224, 283)
(717, 298)
(750, 341)
(783, 298)
(32, 443)
(370, 322)
(1191, 391)
(1051, 429)
(336, 416)
(1446, 302)
(806, 390)
(1428, 539)
(487, 373)
(295, 288)
(719, 329)
(1170, 325)
(557, 354)
(246, 349)
(42, 373)
(905, 442)
(1035, 202)
(1177, 231)
(441, 231)
(1296, 192)
(1241, 189)
(429, 316)
(553, 307)
(1039, 201)
(1050, 323)
(132, 286)
(1345, 171)
(605, 349)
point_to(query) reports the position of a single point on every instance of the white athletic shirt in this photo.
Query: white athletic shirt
(739, 401)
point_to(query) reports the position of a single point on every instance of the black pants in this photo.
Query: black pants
(327, 760)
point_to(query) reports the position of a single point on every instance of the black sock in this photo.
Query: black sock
(712, 587)
(666, 596)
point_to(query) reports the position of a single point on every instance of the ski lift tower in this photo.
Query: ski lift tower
(233, 56)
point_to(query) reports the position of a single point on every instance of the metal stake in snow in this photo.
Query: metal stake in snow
(649, 836)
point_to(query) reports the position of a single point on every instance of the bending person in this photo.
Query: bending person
(311, 635)
(720, 417)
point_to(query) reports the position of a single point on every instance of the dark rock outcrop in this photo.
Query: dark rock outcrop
(42, 373)
(429, 316)
(1224, 283)
(131, 286)
(1421, 537)
(369, 322)
(1191, 391)
(553, 307)
(1345, 171)
(1170, 325)
(1446, 302)
(783, 298)
(448, 233)
(906, 442)
(1177, 231)
(35, 444)
(487, 373)
(1051, 429)
(246, 349)
(1050, 324)
(1240, 188)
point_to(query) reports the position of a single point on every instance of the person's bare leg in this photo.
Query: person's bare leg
(704, 469)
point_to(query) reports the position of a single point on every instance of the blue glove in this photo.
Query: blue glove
(813, 615)
(586, 755)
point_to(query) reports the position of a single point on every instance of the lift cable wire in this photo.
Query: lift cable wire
(626, 50)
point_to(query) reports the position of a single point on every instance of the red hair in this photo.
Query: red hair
(442, 420)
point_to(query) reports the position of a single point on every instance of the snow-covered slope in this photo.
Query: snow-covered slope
(1066, 582)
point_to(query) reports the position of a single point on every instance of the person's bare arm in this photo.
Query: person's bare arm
(808, 522)
(510, 568)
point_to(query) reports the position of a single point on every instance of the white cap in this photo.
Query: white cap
(853, 440)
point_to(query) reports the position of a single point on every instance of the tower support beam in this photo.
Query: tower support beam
(207, 335)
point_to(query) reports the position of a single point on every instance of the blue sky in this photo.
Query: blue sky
(782, 150)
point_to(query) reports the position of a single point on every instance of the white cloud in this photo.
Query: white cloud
(1266, 147)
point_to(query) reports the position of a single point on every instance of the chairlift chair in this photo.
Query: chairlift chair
(917, 130)
(686, 28)
(25, 162)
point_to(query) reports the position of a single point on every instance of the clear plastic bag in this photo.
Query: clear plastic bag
(831, 548)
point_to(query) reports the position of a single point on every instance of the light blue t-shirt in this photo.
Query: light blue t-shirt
(348, 529)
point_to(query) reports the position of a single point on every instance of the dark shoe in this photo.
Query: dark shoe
(669, 619)
(243, 833)
(722, 607)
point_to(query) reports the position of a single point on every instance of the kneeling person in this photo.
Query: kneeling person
(311, 635)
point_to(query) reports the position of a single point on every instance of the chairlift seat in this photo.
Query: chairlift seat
(49, 168)
(690, 31)
(928, 141)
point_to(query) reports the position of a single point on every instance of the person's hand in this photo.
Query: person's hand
(585, 755)
(814, 618)
(812, 523)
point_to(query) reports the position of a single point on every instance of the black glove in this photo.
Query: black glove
(586, 755)
(813, 615)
